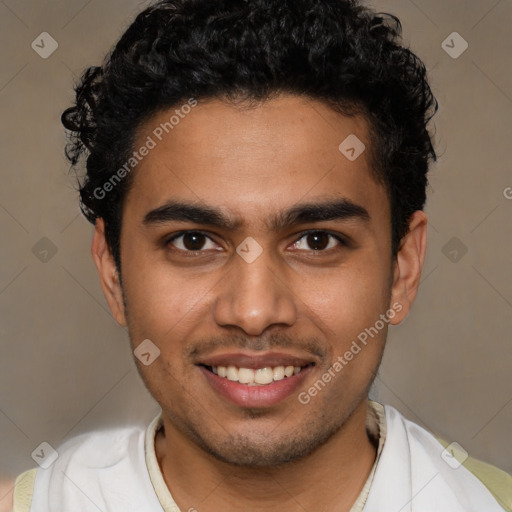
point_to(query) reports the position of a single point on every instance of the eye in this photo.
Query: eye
(319, 241)
(316, 241)
(191, 241)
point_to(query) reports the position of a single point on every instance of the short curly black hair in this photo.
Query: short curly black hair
(335, 51)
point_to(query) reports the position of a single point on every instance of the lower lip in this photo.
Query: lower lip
(255, 396)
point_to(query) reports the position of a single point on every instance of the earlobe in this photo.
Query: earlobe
(408, 265)
(108, 274)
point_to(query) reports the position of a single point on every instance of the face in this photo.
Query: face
(250, 241)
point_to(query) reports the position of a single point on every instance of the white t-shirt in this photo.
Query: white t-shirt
(117, 471)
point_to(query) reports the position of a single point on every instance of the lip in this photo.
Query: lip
(246, 396)
(243, 360)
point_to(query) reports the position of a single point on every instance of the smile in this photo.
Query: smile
(255, 377)
(257, 387)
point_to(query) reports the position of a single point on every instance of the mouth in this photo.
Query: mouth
(255, 377)
(255, 381)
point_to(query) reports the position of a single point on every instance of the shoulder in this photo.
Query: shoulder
(80, 455)
(496, 480)
(448, 457)
(23, 491)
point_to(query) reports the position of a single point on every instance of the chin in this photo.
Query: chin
(265, 450)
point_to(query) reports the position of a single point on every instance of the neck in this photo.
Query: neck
(330, 478)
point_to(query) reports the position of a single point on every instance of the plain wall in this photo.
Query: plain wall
(65, 365)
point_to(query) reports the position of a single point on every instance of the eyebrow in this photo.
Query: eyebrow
(178, 211)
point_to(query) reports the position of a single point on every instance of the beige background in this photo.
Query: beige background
(66, 367)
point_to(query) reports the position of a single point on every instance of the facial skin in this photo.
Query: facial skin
(252, 164)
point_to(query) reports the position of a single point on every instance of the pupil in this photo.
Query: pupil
(316, 239)
(193, 242)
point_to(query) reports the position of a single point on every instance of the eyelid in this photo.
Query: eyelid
(168, 240)
(343, 240)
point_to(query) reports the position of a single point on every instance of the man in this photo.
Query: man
(256, 174)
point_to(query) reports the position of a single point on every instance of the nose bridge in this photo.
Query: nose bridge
(252, 295)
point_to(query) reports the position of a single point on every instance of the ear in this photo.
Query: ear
(408, 266)
(107, 270)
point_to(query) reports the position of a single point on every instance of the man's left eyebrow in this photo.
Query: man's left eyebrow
(338, 209)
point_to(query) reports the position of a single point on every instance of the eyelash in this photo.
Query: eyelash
(343, 242)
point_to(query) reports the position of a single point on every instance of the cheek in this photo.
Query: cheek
(167, 309)
(163, 305)
(350, 299)
(350, 316)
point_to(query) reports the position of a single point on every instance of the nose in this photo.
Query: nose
(254, 296)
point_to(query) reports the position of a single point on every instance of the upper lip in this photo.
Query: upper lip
(254, 361)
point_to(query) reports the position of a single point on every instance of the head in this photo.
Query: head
(226, 120)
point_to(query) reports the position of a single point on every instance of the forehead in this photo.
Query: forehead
(254, 159)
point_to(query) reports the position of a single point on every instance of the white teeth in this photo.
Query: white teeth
(288, 371)
(232, 373)
(261, 376)
(245, 376)
(279, 373)
(264, 376)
